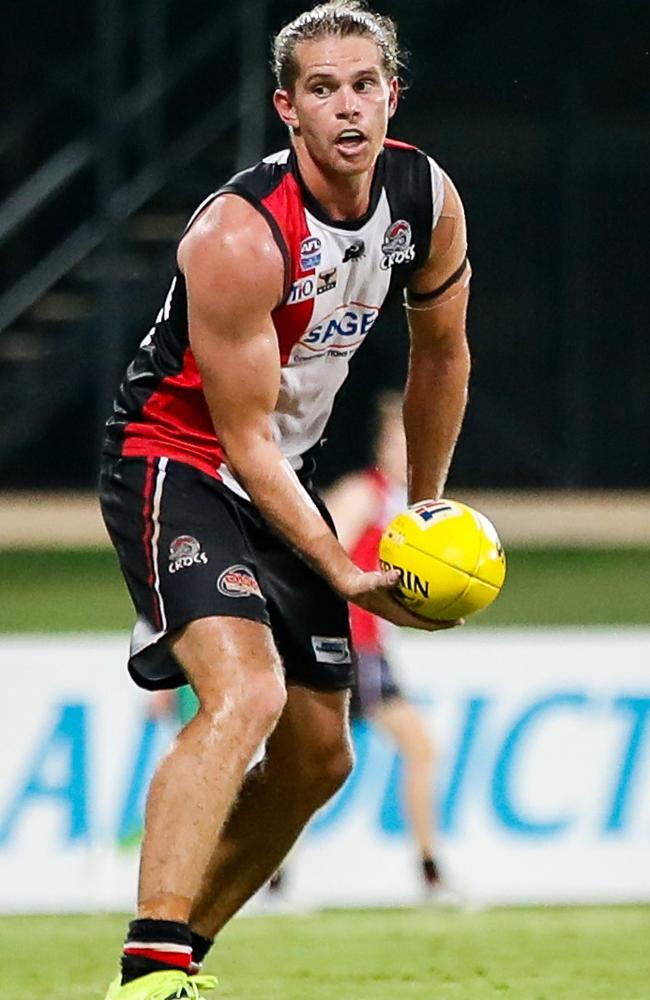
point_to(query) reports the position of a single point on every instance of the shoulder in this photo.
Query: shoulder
(230, 245)
(250, 206)
(411, 164)
(230, 227)
(405, 161)
(263, 177)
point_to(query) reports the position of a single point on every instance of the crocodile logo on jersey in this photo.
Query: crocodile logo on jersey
(397, 247)
(338, 335)
(355, 251)
(238, 581)
(310, 253)
(185, 551)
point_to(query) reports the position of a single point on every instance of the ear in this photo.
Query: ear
(285, 108)
(393, 97)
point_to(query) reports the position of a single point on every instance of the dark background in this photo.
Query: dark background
(540, 113)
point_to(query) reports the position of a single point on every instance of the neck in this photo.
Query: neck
(343, 197)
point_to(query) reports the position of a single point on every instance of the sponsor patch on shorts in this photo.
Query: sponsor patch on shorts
(238, 581)
(185, 551)
(330, 650)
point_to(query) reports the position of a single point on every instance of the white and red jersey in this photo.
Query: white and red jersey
(390, 499)
(337, 277)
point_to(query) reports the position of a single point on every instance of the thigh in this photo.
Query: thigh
(184, 555)
(222, 653)
(310, 622)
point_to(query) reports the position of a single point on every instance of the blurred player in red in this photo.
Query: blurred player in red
(362, 504)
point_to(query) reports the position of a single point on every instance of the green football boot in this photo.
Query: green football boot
(172, 985)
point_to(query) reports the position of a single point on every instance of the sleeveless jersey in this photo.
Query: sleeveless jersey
(367, 629)
(337, 275)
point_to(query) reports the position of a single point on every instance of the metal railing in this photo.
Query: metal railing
(120, 112)
(132, 125)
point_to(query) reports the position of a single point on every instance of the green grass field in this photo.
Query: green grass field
(59, 591)
(526, 954)
(541, 954)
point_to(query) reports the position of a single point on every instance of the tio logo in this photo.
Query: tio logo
(302, 290)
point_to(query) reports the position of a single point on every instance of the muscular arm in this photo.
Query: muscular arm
(234, 275)
(436, 388)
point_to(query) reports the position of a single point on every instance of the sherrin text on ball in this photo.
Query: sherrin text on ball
(449, 556)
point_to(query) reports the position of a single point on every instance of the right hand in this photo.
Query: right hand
(375, 592)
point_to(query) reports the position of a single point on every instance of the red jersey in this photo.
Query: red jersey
(367, 629)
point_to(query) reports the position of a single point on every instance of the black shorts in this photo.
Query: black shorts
(191, 548)
(374, 684)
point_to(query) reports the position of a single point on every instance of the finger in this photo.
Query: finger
(413, 620)
(439, 623)
(426, 625)
(378, 580)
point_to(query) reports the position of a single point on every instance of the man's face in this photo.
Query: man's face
(341, 103)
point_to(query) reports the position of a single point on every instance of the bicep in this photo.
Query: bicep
(447, 265)
(233, 274)
(238, 358)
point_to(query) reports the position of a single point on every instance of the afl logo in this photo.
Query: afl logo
(185, 551)
(310, 253)
(397, 247)
(238, 581)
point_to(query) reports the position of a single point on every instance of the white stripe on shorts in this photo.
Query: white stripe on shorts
(155, 517)
(182, 949)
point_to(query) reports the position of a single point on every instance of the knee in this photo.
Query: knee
(338, 769)
(265, 698)
(326, 772)
(257, 700)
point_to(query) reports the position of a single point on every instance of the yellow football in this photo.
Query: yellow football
(449, 556)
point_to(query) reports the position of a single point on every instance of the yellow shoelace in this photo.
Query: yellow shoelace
(198, 983)
(186, 989)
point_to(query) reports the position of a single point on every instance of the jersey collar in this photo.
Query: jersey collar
(315, 208)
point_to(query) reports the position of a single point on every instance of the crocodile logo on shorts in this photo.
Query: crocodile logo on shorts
(185, 551)
(238, 581)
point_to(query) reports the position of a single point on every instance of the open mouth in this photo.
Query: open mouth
(350, 140)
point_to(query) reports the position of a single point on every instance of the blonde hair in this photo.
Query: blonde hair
(340, 18)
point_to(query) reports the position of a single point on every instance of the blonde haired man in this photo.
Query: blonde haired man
(238, 580)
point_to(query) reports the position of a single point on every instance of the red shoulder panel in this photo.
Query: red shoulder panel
(290, 319)
(396, 144)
